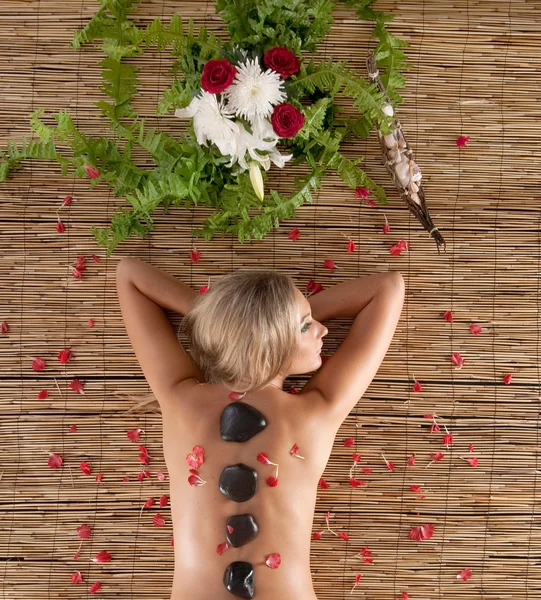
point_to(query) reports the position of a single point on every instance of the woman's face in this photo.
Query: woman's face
(308, 355)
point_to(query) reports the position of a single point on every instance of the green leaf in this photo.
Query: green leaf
(314, 117)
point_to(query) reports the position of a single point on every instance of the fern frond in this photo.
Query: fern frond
(297, 24)
(314, 117)
(354, 177)
(97, 27)
(391, 60)
(335, 78)
(179, 95)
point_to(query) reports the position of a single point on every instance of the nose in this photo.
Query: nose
(325, 331)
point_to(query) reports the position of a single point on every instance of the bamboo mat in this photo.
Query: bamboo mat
(475, 72)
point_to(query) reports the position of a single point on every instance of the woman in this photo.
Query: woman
(256, 456)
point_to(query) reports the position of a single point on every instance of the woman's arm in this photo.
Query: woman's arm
(348, 299)
(164, 289)
(376, 303)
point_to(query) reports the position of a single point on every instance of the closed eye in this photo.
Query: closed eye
(306, 327)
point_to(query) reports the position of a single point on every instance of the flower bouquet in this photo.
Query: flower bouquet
(242, 110)
(254, 102)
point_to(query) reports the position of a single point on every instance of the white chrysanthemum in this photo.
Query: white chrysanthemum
(212, 121)
(254, 92)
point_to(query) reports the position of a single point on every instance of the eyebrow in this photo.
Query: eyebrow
(305, 317)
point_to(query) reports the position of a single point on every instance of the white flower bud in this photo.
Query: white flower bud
(388, 110)
(257, 180)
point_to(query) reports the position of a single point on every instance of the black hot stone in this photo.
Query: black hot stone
(240, 422)
(239, 579)
(244, 530)
(238, 482)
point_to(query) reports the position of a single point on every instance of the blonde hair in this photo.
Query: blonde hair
(243, 332)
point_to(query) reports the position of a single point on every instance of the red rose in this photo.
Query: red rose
(217, 76)
(286, 120)
(282, 60)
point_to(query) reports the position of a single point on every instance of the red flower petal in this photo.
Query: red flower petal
(411, 460)
(317, 535)
(329, 264)
(417, 387)
(416, 489)
(38, 364)
(471, 448)
(222, 548)
(358, 578)
(273, 560)
(343, 535)
(203, 289)
(448, 439)
(92, 172)
(399, 247)
(55, 461)
(389, 464)
(76, 577)
(424, 532)
(272, 481)
(448, 316)
(76, 386)
(367, 471)
(323, 484)
(473, 461)
(313, 287)
(164, 500)
(195, 255)
(4, 327)
(462, 141)
(76, 555)
(236, 395)
(349, 442)
(64, 356)
(264, 459)
(294, 234)
(134, 434)
(356, 482)
(356, 457)
(362, 192)
(195, 480)
(67, 201)
(85, 468)
(352, 246)
(158, 520)
(102, 557)
(464, 575)
(457, 360)
(437, 456)
(150, 502)
(434, 428)
(366, 552)
(199, 451)
(42, 395)
(95, 587)
(60, 227)
(475, 329)
(507, 379)
(84, 532)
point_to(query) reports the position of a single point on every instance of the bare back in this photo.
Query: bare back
(284, 513)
